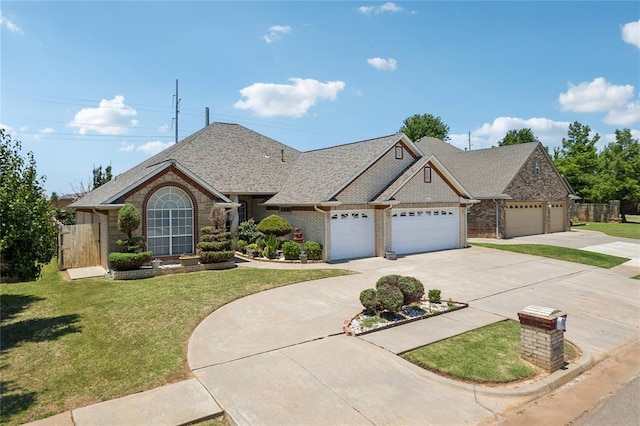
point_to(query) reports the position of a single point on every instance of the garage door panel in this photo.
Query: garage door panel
(557, 217)
(422, 230)
(352, 234)
(524, 219)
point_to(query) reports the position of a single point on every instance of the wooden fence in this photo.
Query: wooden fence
(78, 246)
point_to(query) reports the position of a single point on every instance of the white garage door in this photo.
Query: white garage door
(557, 217)
(352, 234)
(422, 230)
(524, 219)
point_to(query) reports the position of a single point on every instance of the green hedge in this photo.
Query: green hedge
(274, 225)
(129, 261)
(216, 256)
(291, 250)
(313, 250)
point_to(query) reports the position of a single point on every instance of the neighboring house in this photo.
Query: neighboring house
(519, 188)
(357, 200)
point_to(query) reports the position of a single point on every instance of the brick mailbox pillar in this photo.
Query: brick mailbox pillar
(542, 336)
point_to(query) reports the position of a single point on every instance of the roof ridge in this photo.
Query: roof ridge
(352, 143)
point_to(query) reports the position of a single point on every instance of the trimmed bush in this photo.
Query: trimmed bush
(389, 297)
(274, 225)
(213, 245)
(247, 231)
(434, 295)
(411, 288)
(369, 300)
(129, 261)
(391, 280)
(253, 247)
(241, 245)
(216, 256)
(291, 250)
(313, 250)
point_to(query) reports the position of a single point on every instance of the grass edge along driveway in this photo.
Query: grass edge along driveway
(561, 253)
(68, 344)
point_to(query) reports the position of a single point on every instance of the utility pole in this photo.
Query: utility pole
(469, 139)
(177, 109)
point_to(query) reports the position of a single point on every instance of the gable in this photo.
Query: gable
(537, 179)
(366, 186)
(420, 188)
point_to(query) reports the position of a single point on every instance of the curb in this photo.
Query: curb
(539, 388)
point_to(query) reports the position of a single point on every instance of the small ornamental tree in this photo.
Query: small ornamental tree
(128, 222)
(27, 230)
(392, 292)
(215, 243)
(274, 225)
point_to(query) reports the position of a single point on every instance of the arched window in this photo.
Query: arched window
(169, 222)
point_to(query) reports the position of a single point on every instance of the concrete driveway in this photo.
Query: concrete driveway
(280, 357)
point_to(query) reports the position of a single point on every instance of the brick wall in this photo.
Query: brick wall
(481, 221)
(377, 177)
(544, 348)
(529, 186)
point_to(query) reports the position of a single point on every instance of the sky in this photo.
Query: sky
(87, 83)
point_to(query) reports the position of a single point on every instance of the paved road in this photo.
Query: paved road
(279, 357)
(620, 409)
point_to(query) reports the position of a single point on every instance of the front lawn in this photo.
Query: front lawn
(67, 344)
(624, 230)
(561, 253)
(490, 354)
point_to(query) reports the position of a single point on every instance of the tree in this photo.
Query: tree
(101, 177)
(515, 137)
(129, 221)
(418, 126)
(577, 160)
(27, 229)
(619, 174)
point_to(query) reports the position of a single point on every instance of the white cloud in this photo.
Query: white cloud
(10, 25)
(631, 33)
(597, 95)
(153, 147)
(164, 128)
(625, 116)
(125, 147)
(47, 131)
(8, 129)
(276, 32)
(383, 64)
(388, 7)
(288, 100)
(112, 117)
(549, 132)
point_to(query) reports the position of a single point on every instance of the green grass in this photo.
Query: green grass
(490, 354)
(67, 344)
(637, 277)
(561, 253)
(624, 230)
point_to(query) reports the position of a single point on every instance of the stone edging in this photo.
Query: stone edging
(138, 274)
(263, 259)
(347, 330)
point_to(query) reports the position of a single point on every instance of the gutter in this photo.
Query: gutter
(497, 219)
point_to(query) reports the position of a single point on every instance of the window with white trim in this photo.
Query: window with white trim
(427, 174)
(169, 222)
(537, 167)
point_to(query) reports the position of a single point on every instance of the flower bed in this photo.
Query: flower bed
(366, 322)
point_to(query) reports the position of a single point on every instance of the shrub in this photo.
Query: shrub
(369, 300)
(216, 256)
(128, 261)
(274, 225)
(390, 297)
(241, 245)
(252, 247)
(213, 245)
(391, 280)
(129, 221)
(411, 288)
(291, 250)
(313, 250)
(434, 296)
(247, 231)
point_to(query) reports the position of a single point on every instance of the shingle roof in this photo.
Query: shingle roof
(436, 147)
(319, 174)
(259, 164)
(486, 173)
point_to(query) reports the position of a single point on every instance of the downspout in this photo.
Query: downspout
(384, 228)
(497, 220)
(315, 207)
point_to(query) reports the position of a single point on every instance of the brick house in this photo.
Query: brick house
(358, 200)
(519, 189)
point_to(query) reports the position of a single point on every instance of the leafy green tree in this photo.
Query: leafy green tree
(101, 177)
(418, 126)
(27, 229)
(619, 174)
(515, 137)
(128, 222)
(577, 160)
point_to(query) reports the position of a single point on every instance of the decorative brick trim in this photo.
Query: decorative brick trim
(537, 322)
(138, 274)
(164, 172)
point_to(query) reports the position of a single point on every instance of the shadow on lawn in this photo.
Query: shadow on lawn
(12, 304)
(13, 401)
(37, 330)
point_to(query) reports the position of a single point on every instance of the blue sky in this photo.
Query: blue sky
(92, 83)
